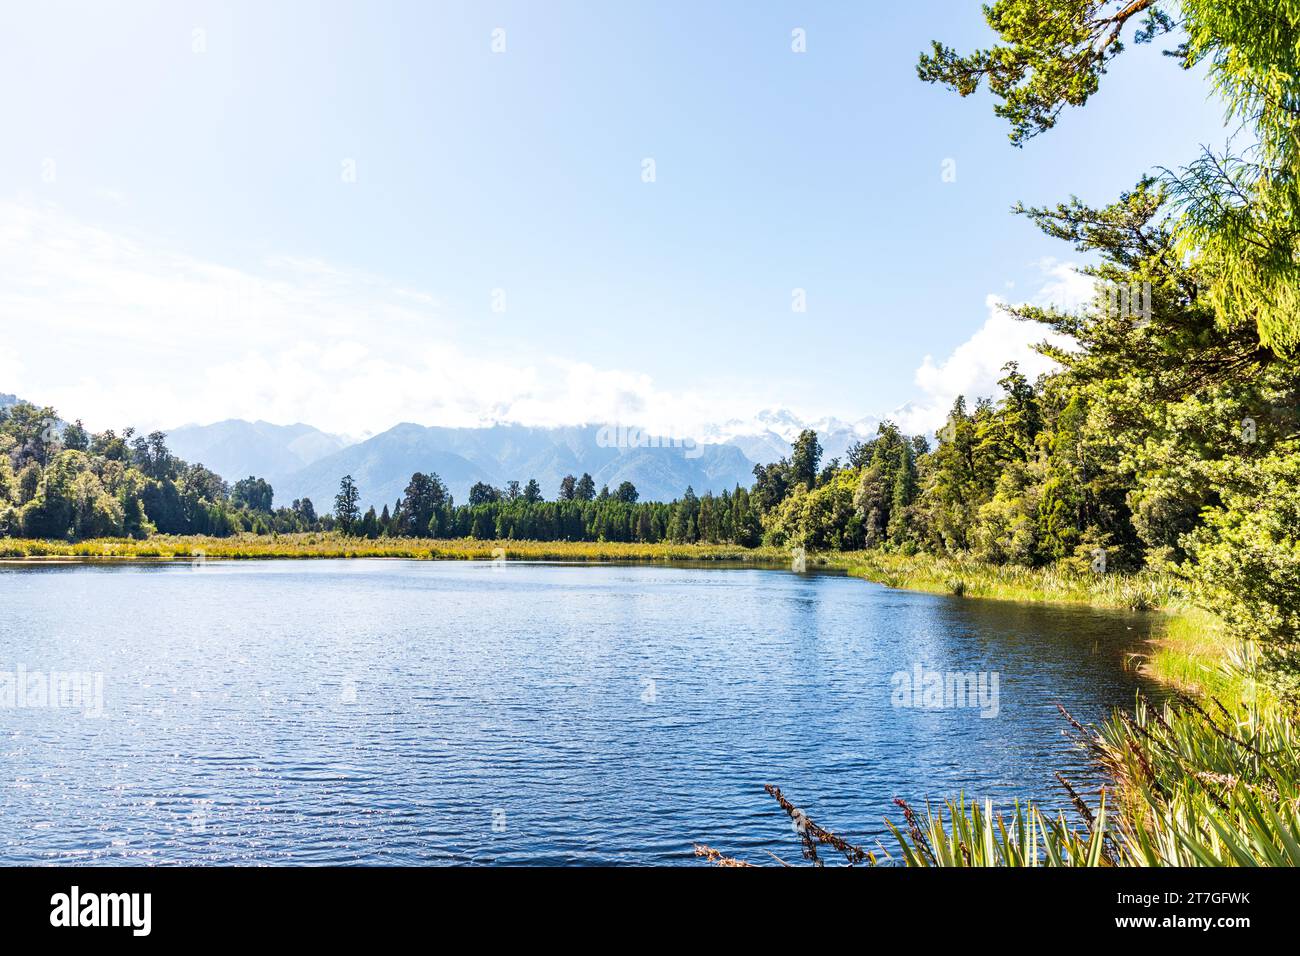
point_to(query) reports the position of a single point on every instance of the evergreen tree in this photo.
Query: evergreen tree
(804, 458)
(346, 510)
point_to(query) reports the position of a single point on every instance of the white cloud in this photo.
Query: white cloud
(1066, 289)
(11, 370)
(121, 330)
(974, 367)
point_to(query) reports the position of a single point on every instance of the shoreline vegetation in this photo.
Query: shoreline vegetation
(962, 577)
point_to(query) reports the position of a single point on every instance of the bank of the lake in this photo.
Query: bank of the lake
(330, 545)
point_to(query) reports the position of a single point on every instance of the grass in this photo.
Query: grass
(940, 575)
(966, 577)
(307, 545)
(1194, 653)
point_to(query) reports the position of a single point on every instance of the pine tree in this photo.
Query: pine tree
(346, 510)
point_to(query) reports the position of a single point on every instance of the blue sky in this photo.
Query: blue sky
(180, 238)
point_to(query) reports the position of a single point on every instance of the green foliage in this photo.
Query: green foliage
(804, 458)
(254, 494)
(825, 518)
(1053, 55)
(1188, 788)
(63, 483)
(424, 496)
(346, 504)
(1237, 211)
(1247, 558)
(887, 488)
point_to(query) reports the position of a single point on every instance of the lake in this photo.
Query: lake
(415, 712)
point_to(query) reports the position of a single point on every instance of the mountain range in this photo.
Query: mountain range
(235, 448)
(768, 435)
(300, 460)
(382, 465)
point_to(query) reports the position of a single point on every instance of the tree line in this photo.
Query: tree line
(58, 480)
(578, 513)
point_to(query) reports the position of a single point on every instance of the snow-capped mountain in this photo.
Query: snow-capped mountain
(767, 436)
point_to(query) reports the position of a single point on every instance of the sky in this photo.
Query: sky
(551, 212)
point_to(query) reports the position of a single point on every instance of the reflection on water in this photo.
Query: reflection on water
(453, 712)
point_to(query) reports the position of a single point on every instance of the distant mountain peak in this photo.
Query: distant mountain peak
(300, 460)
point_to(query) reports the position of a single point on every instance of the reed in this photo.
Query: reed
(968, 577)
(331, 545)
(1192, 783)
(944, 575)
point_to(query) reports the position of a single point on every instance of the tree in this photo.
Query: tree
(567, 488)
(887, 488)
(305, 511)
(1247, 566)
(954, 482)
(771, 484)
(108, 445)
(252, 493)
(1238, 212)
(481, 493)
(150, 454)
(1054, 55)
(35, 432)
(585, 489)
(532, 491)
(626, 492)
(346, 504)
(205, 483)
(423, 496)
(75, 437)
(804, 458)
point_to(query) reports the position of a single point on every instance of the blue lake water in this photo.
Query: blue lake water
(408, 712)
